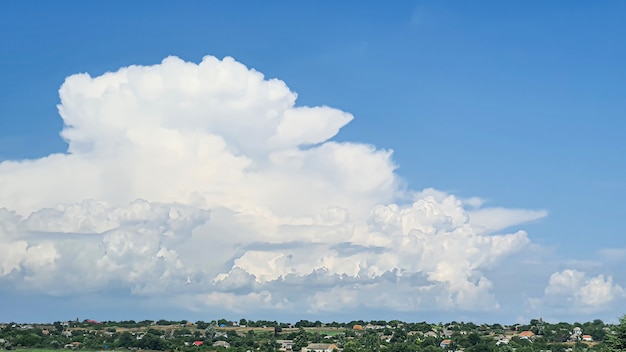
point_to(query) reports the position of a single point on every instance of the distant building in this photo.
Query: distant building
(285, 345)
(430, 334)
(320, 347)
(446, 332)
(503, 341)
(526, 335)
(221, 344)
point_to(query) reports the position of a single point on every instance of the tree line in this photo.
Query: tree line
(372, 336)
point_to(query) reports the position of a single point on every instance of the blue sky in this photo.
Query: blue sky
(518, 104)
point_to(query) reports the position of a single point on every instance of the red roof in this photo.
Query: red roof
(198, 343)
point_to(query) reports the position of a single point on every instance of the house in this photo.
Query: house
(587, 338)
(578, 331)
(430, 334)
(73, 345)
(319, 347)
(221, 344)
(198, 343)
(445, 343)
(357, 327)
(502, 341)
(386, 338)
(285, 345)
(526, 335)
(446, 332)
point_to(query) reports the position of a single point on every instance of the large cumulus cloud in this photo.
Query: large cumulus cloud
(207, 181)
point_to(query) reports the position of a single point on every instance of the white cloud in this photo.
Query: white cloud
(210, 172)
(577, 287)
(578, 292)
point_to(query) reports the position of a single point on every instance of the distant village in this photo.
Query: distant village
(249, 336)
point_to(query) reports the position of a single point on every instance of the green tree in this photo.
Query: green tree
(580, 346)
(616, 338)
(210, 331)
(152, 342)
(371, 341)
(301, 340)
(202, 324)
(29, 340)
(250, 339)
(430, 341)
(558, 347)
(125, 340)
(507, 348)
(316, 337)
(350, 346)
(481, 347)
(473, 338)
(431, 348)
(400, 335)
(270, 346)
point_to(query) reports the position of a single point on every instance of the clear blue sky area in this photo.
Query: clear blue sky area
(519, 103)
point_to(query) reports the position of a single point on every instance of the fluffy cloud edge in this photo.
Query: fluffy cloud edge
(171, 160)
